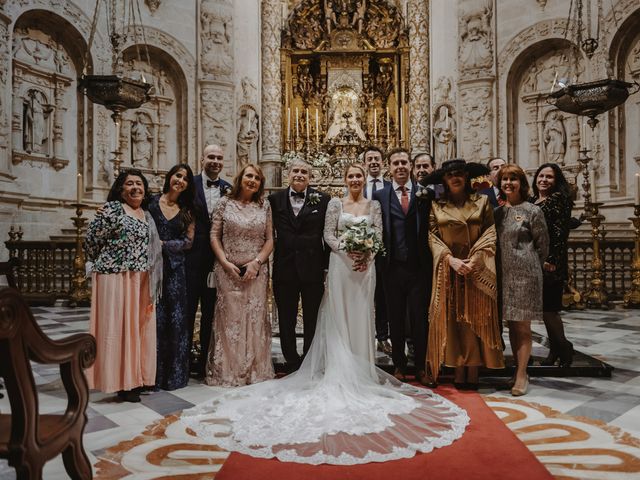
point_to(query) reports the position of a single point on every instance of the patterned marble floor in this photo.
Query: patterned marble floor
(578, 427)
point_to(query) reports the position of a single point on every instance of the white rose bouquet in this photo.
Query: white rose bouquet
(361, 242)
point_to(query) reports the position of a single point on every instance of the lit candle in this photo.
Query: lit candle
(306, 111)
(637, 202)
(375, 124)
(388, 125)
(297, 125)
(288, 124)
(593, 186)
(317, 128)
(79, 188)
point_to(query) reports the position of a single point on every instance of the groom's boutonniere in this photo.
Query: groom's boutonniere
(224, 190)
(314, 198)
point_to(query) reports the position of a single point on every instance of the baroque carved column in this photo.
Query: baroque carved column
(476, 64)
(216, 77)
(418, 12)
(271, 92)
(5, 124)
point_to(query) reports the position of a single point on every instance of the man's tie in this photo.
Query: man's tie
(374, 187)
(295, 194)
(213, 183)
(404, 200)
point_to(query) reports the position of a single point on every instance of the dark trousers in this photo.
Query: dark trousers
(407, 292)
(382, 322)
(199, 293)
(286, 295)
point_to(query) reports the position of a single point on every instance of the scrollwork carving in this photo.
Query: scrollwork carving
(271, 86)
(476, 122)
(216, 35)
(419, 80)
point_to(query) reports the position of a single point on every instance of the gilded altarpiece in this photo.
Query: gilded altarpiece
(345, 81)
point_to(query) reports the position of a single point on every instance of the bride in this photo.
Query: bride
(338, 408)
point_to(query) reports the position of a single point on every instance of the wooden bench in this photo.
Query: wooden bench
(27, 439)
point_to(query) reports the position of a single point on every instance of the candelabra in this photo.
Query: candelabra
(80, 293)
(15, 235)
(632, 297)
(584, 160)
(595, 296)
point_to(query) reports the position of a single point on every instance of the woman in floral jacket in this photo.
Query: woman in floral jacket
(123, 245)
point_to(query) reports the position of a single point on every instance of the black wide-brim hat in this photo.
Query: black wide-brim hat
(473, 169)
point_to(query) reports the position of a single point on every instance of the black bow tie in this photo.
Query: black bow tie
(213, 183)
(297, 194)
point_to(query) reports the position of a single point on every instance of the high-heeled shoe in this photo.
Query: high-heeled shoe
(518, 392)
(566, 355)
(551, 359)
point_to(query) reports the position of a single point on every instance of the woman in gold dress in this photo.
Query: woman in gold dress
(464, 330)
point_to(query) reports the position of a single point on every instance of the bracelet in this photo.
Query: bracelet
(257, 259)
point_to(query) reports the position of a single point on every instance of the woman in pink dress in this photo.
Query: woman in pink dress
(123, 245)
(242, 240)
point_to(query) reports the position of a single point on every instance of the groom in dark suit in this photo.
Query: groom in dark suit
(372, 157)
(493, 192)
(407, 265)
(199, 260)
(299, 259)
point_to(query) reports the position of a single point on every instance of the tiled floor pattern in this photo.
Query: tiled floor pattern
(578, 427)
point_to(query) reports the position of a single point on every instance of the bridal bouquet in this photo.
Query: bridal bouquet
(360, 237)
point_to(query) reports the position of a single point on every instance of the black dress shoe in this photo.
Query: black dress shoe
(132, 396)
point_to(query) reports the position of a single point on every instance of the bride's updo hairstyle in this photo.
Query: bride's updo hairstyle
(359, 166)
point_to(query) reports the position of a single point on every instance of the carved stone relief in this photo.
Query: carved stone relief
(271, 90)
(476, 39)
(152, 5)
(216, 35)
(554, 136)
(216, 111)
(142, 137)
(444, 90)
(475, 104)
(419, 79)
(4, 74)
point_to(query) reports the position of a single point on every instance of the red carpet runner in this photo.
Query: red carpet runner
(487, 450)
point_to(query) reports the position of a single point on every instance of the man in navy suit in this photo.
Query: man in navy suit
(373, 163)
(494, 165)
(407, 265)
(199, 260)
(299, 259)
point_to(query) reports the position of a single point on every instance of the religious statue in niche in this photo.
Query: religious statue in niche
(345, 126)
(444, 134)
(476, 39)
(35, 123)
(247, 138)
(305, 81)
(530, 83)
(555, 138)
(141, 141)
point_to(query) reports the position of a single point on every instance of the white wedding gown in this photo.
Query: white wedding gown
(338, 408)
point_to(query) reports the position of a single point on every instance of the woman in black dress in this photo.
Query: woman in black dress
(552, 194)
(173, 212)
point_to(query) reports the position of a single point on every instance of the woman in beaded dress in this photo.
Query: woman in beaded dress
(523, 243)
(173, 213)
(242, 240)
(123, 247)
(551, 192)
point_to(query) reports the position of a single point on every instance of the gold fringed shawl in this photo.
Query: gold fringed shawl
(471, 299)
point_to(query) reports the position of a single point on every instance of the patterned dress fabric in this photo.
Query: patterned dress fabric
(338, 408)
(523, 243)
(171, 322)
(557, 214)
(241, 347)
(122, 313)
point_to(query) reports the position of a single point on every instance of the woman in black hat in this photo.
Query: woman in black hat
(464, 330)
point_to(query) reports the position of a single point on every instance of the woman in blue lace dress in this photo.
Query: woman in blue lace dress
(173, 214)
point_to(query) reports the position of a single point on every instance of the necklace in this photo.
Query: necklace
(166, 201)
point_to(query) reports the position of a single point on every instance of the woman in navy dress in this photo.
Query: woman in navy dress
(173, 212)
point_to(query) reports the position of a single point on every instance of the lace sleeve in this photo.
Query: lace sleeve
(540, 234)
(376, 217)
(331, 224)
(216, 229)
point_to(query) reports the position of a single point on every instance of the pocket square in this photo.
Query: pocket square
(314, 211)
